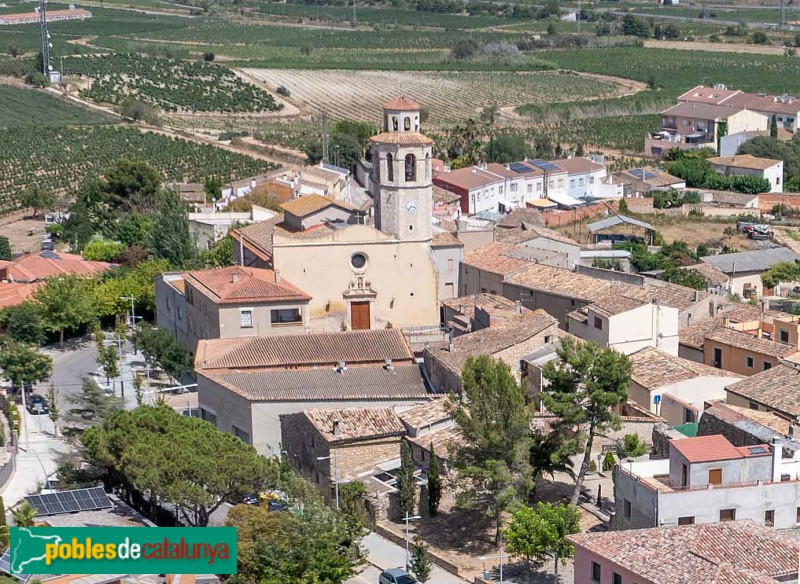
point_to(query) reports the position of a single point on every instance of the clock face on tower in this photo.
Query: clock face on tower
(411, 207)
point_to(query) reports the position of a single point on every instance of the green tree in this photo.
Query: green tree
(24, 323)
(24, 515)
(633, 26)
(103, 250)
(67, 302)
(24, 366)
(434, 484)
(145, 449)
(421, 565)
(780, 272)
(162, 350)
(536, 533)
(38, 199)
(361, 131)
(550, 453)
(219, 255)
(494, 419)
(759, 37)
(507, 147)
(171, 239)
(585, 388)
(345, 150)
(132, 185)
(138, 111)
(685, 277)
(5, 249)
(609, 461)
(631, 446)
(89, 407)
(52, 402)
(406, 483)
(773, 127)
(213, 188)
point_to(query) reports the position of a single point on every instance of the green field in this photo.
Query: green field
(27, 108)
(61, 158)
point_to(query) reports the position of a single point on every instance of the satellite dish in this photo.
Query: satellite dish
(49, 67)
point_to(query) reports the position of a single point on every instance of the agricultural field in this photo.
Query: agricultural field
(28, 108)
(678, 71)
(61, 158)
(172, 85)
(448, 96)
(623, 133)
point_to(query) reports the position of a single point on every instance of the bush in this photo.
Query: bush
(37, 79)
(465, 49)
(208, 57)
(759, 37)
(103, 250)
(136, 110)
(609, 461)
(282, 91)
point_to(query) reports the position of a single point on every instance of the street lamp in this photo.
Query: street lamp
(132, 298)
(499, 556)
(332, 458)
(408, 518)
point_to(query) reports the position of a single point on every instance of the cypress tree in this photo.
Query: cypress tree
(773, 127)
(420, 562)
(434, 485)
(406, 485)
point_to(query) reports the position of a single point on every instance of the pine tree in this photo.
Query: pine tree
(434, 485)
(773, 127)
(406, 485)
(420, 561)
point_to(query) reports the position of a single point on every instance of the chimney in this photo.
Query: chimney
(451, 346)
(234, 277)
(518, 306)
(387, 364)
(696, 295)
(335, 428)
(341, 367)
(777, 456)
(277, 276)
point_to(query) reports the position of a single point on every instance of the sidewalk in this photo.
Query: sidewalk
(385, 554)
(36, 460)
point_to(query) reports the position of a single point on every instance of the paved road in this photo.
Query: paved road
(386, 554)
(369, 575)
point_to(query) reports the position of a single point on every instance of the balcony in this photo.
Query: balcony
(657, 143)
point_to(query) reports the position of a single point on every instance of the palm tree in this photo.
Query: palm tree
(550, 454)
(24, 515)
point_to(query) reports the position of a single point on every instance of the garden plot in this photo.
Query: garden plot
(448, 95)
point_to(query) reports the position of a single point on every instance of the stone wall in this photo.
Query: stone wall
(660, 438)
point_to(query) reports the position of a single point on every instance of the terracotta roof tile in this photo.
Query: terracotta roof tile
(493, 258)
(40, 266)
(747, 161)
(401, 104)
(258, 236)
(777, 388)
(468, 178)
(692, 554)
(653, 368)
(444, 441)
(521, 218)
(706, 448)
(615, 304)
(238, 284)
(578, 164)
(310, 350)
(428, 414)
(13, 294)
(446, 239)
(308, 204)
(355, 424)
(401, 138)
(714, 276)
(357, 384)
(743, 340)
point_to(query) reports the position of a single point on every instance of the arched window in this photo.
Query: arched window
(407, 123)
(411, 168)
(416, 123)
(390, 168)
(395, 127)
(428, 166)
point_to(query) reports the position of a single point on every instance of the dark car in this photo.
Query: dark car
(250, 500)
(396, 577)
(37, 405)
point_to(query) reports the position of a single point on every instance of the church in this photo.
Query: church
(358, 275)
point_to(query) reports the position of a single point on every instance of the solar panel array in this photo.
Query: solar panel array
(519, 167)
(49, 255)
(546, 165)
(70, 501)
(5, 566)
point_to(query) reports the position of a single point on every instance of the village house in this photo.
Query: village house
(775, 390)
(676, 389)
(229, 302)
(707, 479)
(448, 251)
(637, 182)
(748, 165)
(509, 342)
(745, 268)
(741, 352)
(209, 227)
(748, 427)
(466, 314)
(537, 237)
(245, 385)
(619, 228)
(740, 551)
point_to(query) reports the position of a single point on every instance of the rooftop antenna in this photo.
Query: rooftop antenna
(324, 131)
(45, 34)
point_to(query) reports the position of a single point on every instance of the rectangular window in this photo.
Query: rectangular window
(689, 416)
(572, 183)
(285, 315)
(766, 365)
(769, 518)
(180, 313)
(580, 182)
(169, 304)
(686, 520)
(513, 187)
(627, 507)
(750, 362)
(208, 416)
(597, 572)
(753, 405)
(797, 516)
(241, 434)
(715, 476)
(530, 188)
(727, 515)
(784, 336)
(598, 323)
(616, 579)
(538, 187)
(246, 318)
(450, 264)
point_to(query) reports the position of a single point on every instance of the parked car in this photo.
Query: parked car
(37, 404)
(396, 576)
(250, 500)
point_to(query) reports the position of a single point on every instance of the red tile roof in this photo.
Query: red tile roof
(311, 350)
(238, 284)
(35, 267)
(412, 138)
(740, 552)
(706, 448)
(13, 294)
(356, 424)
(402, 104)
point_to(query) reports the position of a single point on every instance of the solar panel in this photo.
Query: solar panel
(48, 255)
(545, 165)
(5, 566)
(90, 499)
(519, 167)
(637, 172)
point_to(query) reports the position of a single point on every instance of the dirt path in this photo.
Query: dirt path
(714, 47)
(289, 108)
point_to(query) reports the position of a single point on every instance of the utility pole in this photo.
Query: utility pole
(132, 298)
(324, 131)
(354, 12)
(45, 36)
(407, 519)
(332, 458)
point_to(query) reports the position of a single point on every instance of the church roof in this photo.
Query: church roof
(410, 138)
(402, 104)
